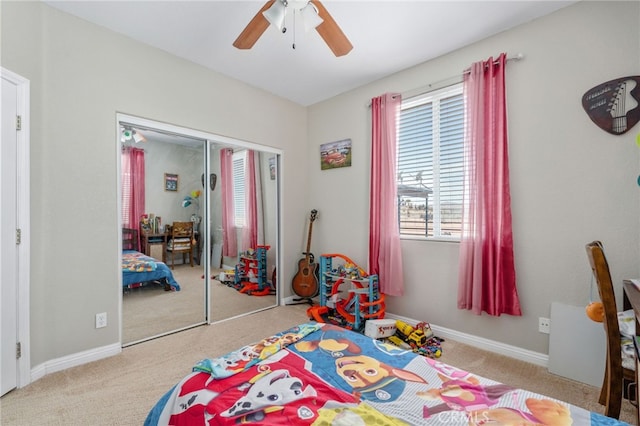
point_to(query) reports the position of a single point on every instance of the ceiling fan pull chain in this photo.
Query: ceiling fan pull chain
(293, 46)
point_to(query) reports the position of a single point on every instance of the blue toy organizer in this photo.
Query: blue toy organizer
(364, 299)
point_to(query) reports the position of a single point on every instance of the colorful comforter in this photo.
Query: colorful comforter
(321, 374)
(139, 268)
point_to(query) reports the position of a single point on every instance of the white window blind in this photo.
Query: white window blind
(238, 187)
(126, 194)
(430, 158)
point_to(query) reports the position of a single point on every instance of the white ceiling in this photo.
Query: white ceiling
(406, 33)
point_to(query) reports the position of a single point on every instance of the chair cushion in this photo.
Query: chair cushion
(179, 244)
(627, 324)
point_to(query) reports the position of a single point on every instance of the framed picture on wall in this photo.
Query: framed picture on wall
(336, 154)
(170, 182)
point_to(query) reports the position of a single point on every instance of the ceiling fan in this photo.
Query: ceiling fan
(313, 12)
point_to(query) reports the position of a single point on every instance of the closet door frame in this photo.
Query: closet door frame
(211, 140)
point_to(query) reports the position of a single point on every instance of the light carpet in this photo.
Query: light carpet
(150, 310)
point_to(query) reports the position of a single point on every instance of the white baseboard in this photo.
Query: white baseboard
(521, 354)
(74, 360)
(288, 300)
(96, 354)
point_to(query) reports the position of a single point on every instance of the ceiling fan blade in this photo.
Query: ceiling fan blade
(254, 29)
(331, 32)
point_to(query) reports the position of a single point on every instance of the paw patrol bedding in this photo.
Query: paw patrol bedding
(321, 374)
(139, 268)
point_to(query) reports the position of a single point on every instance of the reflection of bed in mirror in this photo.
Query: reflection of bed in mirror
(139, 269)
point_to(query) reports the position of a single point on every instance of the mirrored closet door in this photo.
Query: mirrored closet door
(244, 272)
(199, 228)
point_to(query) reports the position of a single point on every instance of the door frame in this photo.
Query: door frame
(23, 223)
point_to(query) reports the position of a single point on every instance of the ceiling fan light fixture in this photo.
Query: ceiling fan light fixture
(126, 135)
(276, 13)
(138, 137)
(314, 15)
(310, 17)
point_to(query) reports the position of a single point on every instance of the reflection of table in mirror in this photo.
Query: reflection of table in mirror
(154, 245)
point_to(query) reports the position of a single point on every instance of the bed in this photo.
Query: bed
(322, 374)
(139, 268)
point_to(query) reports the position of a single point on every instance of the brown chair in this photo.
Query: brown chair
(130, 239)
(181, 241)
(616, 376)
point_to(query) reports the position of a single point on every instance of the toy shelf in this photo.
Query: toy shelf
(363, 299)
(364, 280)
(250, 275)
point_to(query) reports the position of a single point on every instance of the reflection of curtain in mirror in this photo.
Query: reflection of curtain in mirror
(133, 193)
(229, 241)
(252, 214)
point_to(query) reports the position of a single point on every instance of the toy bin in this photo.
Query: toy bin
(380, 328)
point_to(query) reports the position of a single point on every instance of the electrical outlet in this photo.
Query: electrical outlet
(101, 320)
(544, 325)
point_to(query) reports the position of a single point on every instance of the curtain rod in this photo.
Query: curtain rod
(496, 62)
(453, 79)
(132, 146)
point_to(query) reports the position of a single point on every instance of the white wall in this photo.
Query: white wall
(81, 76)
(186, 162)
(571, 182)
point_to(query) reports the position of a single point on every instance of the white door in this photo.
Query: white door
(8, 246)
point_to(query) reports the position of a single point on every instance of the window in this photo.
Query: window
(127, 195)
(430, 157)
(238, 187)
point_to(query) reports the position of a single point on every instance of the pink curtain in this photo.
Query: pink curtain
(250, 230)
(487, 276)
(133, 189)
(229, 240)
(385, 254)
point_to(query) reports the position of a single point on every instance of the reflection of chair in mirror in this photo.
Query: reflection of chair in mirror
(181, 241)
(129, 239)
(619, 368)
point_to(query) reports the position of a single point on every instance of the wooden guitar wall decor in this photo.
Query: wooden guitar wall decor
(305, 281)
(613, 105)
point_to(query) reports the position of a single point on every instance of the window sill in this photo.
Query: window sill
(438, 239)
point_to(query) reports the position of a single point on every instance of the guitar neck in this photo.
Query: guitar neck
(619, 124)
(308, 252)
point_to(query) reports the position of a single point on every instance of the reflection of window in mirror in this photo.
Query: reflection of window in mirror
(239, 174)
